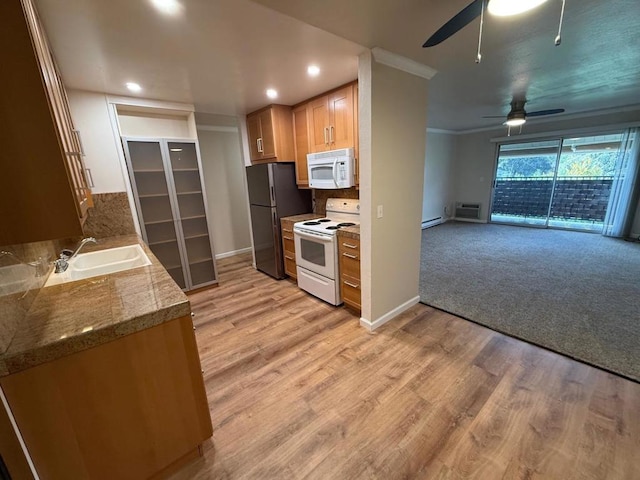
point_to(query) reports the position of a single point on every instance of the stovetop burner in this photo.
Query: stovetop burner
(311, 223)
(323, 220)
(333, 227)
(345, 224)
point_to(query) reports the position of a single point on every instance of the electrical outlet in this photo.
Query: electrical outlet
(379, 211)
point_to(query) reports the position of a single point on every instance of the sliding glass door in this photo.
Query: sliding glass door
(523, 187)
(558, 183)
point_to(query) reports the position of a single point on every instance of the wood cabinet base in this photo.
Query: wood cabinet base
(127, 409)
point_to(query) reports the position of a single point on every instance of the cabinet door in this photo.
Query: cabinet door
(301, 138)
(193, 225)
(341, 118)
(254, 133)
(153, 202)
(128, 408)
(268, 142)
(61, 113)
(318, 118)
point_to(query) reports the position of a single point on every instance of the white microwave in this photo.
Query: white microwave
(332, 169)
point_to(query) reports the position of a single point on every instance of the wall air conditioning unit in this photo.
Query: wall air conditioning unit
(467, 211)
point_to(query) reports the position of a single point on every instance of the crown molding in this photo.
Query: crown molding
(402, 63)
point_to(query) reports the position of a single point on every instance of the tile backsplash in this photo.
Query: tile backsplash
(110, 216)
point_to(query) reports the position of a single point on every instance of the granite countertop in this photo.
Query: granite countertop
(302, 217)
(75, 316)
(350, 232)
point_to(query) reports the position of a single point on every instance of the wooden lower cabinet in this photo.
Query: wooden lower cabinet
(289, 248)
(128, 409)
(350, 289)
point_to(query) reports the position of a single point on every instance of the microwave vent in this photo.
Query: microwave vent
(343, 152)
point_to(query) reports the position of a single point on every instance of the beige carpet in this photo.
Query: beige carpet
(575, 293)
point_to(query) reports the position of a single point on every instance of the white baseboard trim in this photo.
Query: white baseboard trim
(433, 222)
(371, 326)
(232, 253)
(470, 220)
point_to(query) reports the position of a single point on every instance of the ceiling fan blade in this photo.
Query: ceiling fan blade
(541, 113)
(494, 116)
(458, 22)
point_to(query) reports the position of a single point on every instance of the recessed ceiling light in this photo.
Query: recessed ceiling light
(134, 87)
(271, 93)
(170, 7)
(175, 149)
(313, 70)
(504, 8)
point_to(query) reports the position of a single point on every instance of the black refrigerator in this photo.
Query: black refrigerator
(273, 194)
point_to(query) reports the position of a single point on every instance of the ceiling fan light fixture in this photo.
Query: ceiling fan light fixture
(515, 119)
(505, 8)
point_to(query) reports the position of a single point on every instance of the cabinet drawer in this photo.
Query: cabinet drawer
(346, 244)
(350, 263)
(288, 243)
(350, 288)
(290, 264)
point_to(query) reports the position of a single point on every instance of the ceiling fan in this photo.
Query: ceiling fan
(476, 9)
(517, 116)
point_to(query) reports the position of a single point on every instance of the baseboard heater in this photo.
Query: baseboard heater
(432, 222)
(468, 211)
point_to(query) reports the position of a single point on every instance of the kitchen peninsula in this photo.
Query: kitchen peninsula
(103, 377)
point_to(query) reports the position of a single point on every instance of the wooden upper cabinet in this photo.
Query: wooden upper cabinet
(319, 121)
(43, 191)
(301, 138)
(327, 122)
(332, 120)
(341, 118)
(270, 132)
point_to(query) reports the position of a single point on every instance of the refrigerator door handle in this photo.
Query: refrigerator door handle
(273, 196)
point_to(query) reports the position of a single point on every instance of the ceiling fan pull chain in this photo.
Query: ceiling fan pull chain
(559, 38)
(479, 57)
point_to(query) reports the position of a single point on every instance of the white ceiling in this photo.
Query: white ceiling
(222, 54)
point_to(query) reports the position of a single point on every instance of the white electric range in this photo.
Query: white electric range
(317, 249)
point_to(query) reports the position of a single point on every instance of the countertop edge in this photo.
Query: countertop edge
(15, 362)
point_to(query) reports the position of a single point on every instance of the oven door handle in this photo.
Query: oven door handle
(313, 236)
(334, 171)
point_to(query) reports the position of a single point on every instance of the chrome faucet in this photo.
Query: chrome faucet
(62, 263)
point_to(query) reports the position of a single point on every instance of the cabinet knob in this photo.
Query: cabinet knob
(193, 314)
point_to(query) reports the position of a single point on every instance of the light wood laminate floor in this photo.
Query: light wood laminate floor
(297, 389)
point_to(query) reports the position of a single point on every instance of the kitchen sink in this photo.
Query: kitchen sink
(102, 262)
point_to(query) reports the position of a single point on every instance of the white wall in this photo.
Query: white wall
(223, 172)
(139, 124)
(393, 123)
(438, 176)
(101, 144)
(476, 155)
